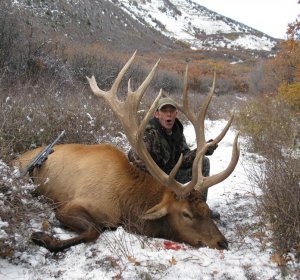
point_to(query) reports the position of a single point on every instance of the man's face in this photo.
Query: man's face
(166, 116)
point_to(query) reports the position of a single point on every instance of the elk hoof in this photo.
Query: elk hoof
(215, 215)
(41, 239)
(223, 245)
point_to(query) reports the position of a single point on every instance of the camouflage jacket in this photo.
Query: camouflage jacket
(165, 149)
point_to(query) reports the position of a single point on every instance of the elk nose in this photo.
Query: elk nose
(223, 245)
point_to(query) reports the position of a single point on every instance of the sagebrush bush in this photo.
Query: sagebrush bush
(279, 203)
(273, 129)
(33, 116)
(270, 122)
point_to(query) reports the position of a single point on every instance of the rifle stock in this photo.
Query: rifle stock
(42, 156)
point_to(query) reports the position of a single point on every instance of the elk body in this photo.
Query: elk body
(96, 188)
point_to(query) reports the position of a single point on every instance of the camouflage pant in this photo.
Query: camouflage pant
(185, 175)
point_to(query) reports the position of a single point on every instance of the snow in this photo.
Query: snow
(253, 43)
(191, 22)
(121, 255)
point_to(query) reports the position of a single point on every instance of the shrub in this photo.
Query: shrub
(25, 52)
(291, 94)
(168, 82)
(273, 129)
(34, 115)
(269, 122)
(183, 44)
(278, 179)
(8, 36)
(105, 66)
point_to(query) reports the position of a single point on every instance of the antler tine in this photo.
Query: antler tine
(223, 132)
(121, 74)
(202, 113)
(221, 176)
(110, 96)
(197, 120)
(113, 91)
(185, 101)
(134, 97)
(147, 117)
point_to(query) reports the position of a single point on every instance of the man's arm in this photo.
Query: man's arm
(188, 155)
(149, 140)
(211, 149)
(136, 161)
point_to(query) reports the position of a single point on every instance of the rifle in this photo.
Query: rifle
(41, 157)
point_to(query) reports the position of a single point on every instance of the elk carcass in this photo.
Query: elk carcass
(96, 188)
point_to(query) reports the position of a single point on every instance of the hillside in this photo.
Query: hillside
(196, 26)
(157, 26)
(72, 39)
(90, 22)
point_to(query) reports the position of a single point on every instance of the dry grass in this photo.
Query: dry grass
(34, 115)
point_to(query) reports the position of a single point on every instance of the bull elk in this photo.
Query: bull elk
(96, 188)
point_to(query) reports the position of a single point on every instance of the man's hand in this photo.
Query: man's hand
(211, 149)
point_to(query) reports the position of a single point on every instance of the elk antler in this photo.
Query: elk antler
(126, 112)
(197, 121)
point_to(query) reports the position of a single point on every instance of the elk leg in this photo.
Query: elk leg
(77, 219)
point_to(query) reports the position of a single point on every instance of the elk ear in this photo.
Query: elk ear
(159, 210)
(156, 212)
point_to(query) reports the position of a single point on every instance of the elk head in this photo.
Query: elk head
(187, 214)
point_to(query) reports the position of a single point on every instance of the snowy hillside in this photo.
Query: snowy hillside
(201, 28)
(143, 24)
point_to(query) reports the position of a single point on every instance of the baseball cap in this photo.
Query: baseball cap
(166, 101)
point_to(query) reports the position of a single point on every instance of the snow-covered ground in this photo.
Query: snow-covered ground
(120, 255)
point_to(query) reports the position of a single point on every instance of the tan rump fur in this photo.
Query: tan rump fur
(97, 175)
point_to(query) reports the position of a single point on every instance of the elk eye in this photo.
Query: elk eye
(187, 215)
